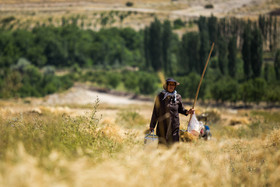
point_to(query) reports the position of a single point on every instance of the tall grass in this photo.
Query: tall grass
(262, 123)
(57, 150)
(42, 134)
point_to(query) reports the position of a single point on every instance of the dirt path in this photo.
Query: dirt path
(82, 96)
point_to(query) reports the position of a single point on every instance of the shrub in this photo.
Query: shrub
(209, 6)
(131, 81)
(8, 19)
(178, 23)
(113, 79)
(147, 84)
(129, 4)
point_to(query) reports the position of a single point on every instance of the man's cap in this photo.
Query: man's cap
(172, 80)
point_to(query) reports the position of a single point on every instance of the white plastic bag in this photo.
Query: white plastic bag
(194, 125)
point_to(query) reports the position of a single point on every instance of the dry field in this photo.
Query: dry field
(64, 142)
(30, 12)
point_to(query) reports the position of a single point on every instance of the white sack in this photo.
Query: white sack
(194, 124)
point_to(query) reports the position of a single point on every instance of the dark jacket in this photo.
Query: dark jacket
(166, 117)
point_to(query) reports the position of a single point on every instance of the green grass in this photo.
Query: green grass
(42, 134)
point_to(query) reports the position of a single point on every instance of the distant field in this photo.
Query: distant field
(136, 15)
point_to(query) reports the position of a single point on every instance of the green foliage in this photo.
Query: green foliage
(253, 90)
(178, 23)
(209, 6)
(155, 45)
(113, 79)
(166, 44)
(188, 85)
(8, 20)
(277, 64)
(272, 93)
(246, 50)
(213, 30)
(256, 52)
(203, 50)
(232, 51)
(131, 81)
(24, 51)
(222, 56)
(189, 52)
(26, 80)
(147, 83)
(129, 4)
(225, 90)
(202, 24)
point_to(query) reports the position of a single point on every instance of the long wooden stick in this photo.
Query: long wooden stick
(198, 88)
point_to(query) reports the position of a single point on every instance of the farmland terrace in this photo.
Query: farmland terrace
(141, 13)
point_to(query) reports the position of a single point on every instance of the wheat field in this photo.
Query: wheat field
(104, 146)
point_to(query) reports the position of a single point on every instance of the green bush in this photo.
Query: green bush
(147, 83)
(8, 19)
(129, 4)
(178, 23)
(113, 79)
(253, 90)
(225, 90)
(272, 93)
(209, 6)
(131, 81)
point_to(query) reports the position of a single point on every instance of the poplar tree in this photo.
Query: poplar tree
(203, 50)
(155, 45)
(277, 64)
(213, 30)
(222, 55)
(202, 24)
(262, 25)
(166, 42)
(189, 54)
(256, 52)
(232, 50)
(146, 47)
(246, 50)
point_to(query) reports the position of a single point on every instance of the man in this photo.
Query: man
(168, 105)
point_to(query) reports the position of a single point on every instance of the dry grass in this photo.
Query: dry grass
(246, 156)
(226, 163)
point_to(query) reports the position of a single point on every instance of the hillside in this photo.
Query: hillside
(137, 14)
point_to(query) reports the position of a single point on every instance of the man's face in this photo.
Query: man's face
(171, 86)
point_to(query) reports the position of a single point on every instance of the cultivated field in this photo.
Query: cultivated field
(137, 16)
(96, 143)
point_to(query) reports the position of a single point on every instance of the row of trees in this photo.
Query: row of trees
(68, 45)
(238, 55)
(24, 79)
(232, 37)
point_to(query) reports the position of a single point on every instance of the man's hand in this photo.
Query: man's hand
(191, 111)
